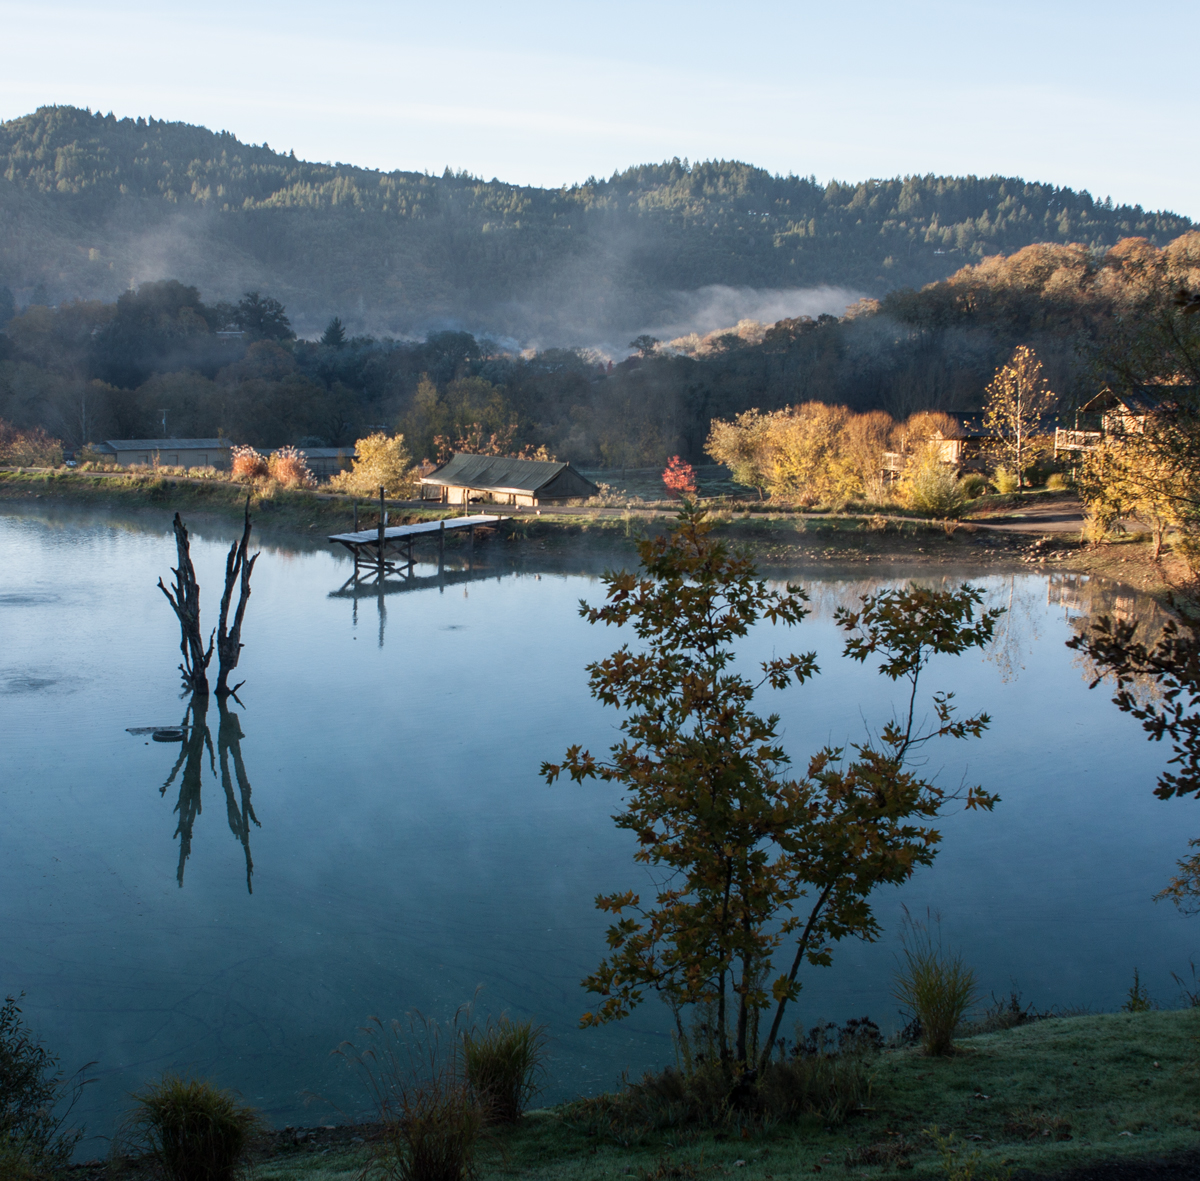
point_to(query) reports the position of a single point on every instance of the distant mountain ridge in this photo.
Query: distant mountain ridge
(90, 204)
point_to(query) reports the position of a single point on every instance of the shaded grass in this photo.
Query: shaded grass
(1090, 1078)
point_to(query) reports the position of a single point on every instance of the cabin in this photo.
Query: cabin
(328, 461)
(1111, 414)
(467, 478)
(167, 452)
(965, 448)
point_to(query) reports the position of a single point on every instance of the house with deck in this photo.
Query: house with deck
(465, 479)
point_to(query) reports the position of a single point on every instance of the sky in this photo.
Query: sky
(1098, 95)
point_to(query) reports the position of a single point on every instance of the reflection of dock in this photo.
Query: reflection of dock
(387, 549)
(356, 588)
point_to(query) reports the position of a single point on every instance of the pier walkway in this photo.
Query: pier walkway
(387, 548)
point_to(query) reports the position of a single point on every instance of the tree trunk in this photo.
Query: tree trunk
(185, 602)
(238, 568)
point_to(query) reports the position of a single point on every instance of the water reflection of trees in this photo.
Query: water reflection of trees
(189, 770)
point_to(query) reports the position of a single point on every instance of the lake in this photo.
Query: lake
(386, 843)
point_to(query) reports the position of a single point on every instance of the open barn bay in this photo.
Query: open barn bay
(369, 833)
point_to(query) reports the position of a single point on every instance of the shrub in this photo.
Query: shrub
(930, 486)
(504, 1065)
(936, 987)
(1003, 1013)
(32, 448)
(33, 1138)
(826, 1074)
(288, 467)
(192, 1130)
(1005, 481)
(246, 463)
(973, 484)
(430, 1115)
(1057, 482)
(380, 462)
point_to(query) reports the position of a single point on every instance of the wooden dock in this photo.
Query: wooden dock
(388, 549)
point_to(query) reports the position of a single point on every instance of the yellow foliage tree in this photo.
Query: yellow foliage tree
(741, 446)
(381, 462)
(1121, 478)
(1018, 399)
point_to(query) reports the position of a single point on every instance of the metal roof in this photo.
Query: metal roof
(491, 473)
(167, 444)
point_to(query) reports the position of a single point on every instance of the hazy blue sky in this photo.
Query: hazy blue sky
(1094, 95)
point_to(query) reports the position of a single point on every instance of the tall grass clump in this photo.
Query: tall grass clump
(288, 467)
(36, 1099)
(431, 1117)
(246, 464)
(192, 1130)
(935, 986)
(505, 1066)
(1005, 481)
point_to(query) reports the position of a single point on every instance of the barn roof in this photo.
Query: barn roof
(167, 444)
(491, 473)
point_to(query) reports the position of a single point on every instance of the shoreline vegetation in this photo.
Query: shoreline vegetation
(997, 531)
(1092, 1096)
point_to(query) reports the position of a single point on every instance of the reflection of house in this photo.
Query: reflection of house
(167, 452)
(328, 461)
(509, 481)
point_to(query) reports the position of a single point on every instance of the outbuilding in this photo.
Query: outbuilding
(328, 461)
(167, 452)
(467, 478)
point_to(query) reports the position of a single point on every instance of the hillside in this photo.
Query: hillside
(90, 203)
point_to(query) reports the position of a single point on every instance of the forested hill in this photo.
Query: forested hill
(90, 204)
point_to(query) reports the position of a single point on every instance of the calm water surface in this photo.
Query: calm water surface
(386, 843)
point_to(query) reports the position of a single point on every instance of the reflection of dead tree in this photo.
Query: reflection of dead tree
(185, 602)
(198, 739)
(229, 742)
(191, 758)
(238, 567)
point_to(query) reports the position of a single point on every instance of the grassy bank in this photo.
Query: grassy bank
(780, 536)
(1055, 1095)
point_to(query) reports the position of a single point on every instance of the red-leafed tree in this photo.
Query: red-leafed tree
(679, 477)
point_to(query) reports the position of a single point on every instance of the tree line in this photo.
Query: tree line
(83, 196)
(88, 370)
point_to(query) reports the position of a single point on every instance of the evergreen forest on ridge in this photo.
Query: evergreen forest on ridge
(91, 205)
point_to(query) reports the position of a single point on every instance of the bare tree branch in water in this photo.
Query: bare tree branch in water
(229, 742)
(198, 739)
(238, 568)
(185, 602)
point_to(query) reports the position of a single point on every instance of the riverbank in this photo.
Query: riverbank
(998, 534)
(1105, 1096)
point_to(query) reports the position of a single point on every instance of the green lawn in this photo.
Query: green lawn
(1045, 1096)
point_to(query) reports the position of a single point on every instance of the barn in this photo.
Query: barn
(467, 478)
(167, 452)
